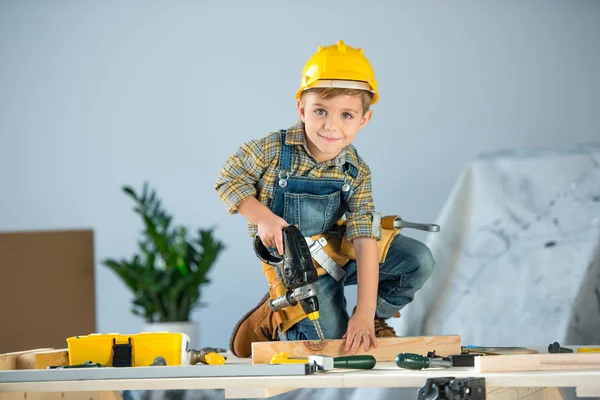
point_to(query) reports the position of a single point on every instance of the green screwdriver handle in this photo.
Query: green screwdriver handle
(355, 362)
(417, 361)
(412, 361)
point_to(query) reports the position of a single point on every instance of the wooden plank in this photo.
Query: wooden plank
(537, 362)
(26, 361)
(387, 348)
(41, 359)
(46, 359)
(8, 361)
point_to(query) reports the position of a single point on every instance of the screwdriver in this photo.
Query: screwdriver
(355, 362)
(417, 361)
(365, 361)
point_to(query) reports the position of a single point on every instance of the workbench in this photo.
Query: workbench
(505, 385)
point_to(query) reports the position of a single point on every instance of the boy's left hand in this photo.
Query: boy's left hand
(361, 327)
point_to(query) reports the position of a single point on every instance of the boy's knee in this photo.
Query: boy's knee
(425, 260)
(419, 256)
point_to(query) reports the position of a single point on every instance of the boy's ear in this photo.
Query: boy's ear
(301, 109)
(365, 119)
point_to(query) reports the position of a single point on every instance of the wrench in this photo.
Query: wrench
(400, 223)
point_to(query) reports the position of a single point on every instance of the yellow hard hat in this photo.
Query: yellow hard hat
(340, 66)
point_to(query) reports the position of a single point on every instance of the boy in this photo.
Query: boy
(311, 176)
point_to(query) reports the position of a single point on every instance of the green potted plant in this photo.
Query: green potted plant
(166, 276)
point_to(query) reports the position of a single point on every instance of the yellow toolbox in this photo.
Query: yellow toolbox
(135, 350)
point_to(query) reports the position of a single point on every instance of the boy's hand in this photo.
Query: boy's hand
(270, 231)
(361, 327)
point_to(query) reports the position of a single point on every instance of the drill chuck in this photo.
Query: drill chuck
(306, 295)
(310, 305)
(286, 300)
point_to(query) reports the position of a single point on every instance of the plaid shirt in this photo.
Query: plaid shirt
(252, 171)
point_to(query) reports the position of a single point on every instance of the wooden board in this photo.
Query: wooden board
(538, 362)
(387, 348)
(42, 359)
(46, 359)
(10, 361)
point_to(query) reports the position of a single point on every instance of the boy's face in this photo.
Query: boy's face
(331, 124)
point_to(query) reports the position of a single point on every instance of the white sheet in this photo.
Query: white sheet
(518, 252)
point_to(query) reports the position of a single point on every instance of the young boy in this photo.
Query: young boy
(311, 176)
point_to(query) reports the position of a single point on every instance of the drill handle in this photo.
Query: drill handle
(264, 254)
(298, 266)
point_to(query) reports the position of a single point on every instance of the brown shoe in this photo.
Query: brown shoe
(382, 329)
(258, 325)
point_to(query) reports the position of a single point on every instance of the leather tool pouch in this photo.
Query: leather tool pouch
(338, 248)
(341, 249)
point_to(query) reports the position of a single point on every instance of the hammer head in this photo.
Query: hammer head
(323, 363)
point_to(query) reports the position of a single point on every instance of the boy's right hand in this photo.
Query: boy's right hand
(270, 231)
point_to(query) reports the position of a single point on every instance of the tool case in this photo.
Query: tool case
(134, 350)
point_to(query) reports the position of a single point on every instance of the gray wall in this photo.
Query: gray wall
(95, 95)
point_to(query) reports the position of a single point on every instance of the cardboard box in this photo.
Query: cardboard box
(47, 291)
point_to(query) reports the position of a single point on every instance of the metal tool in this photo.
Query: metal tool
(417, 361)
(297, 273)
(87, 364)
(556, 348)
(158, 361)
(326, 363)
(463, 360)
(495, 351)
(400, 223)
(457, 360)
(207, 355)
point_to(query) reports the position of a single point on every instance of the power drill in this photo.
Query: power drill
(297, 273)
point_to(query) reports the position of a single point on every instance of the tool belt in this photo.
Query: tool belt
(331, 251)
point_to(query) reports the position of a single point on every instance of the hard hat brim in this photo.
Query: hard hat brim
(340, 84)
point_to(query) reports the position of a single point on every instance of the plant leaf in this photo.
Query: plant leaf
(167, 273)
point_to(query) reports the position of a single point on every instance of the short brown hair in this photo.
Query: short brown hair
(329, 93)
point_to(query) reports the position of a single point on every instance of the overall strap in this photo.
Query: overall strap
(351, 169)
(286, 155)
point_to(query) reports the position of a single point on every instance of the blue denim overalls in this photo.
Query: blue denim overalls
(314, 205)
